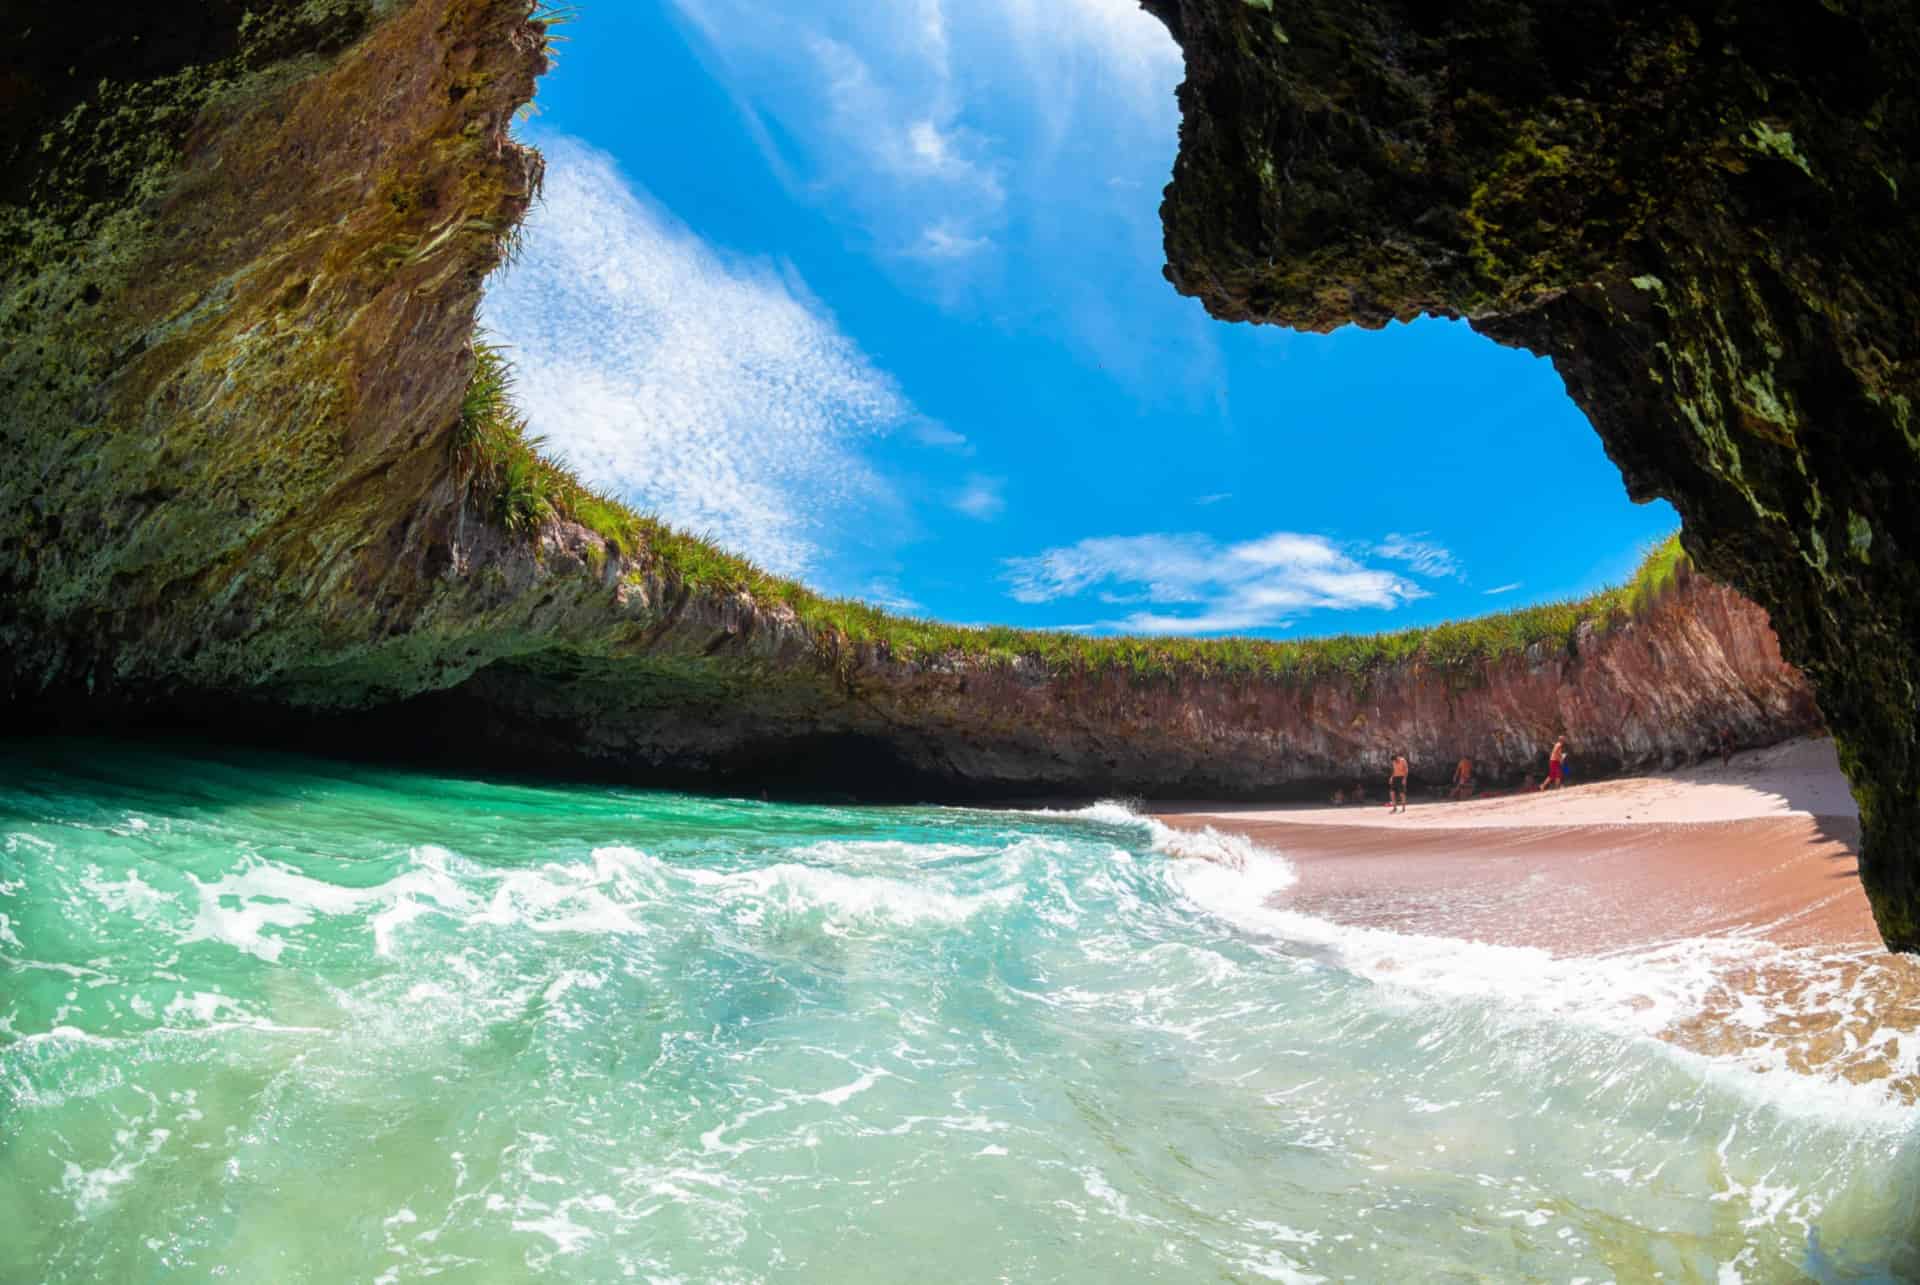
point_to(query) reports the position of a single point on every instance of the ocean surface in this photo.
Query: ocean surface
(265, 1018)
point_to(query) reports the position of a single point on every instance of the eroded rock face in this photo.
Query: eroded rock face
(713, 703)
(237, 292)
(1702, 212)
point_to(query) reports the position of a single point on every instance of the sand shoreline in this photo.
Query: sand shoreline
(1766, 846)
(1727, 874)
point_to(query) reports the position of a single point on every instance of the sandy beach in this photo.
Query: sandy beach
(1763, 846)
(1748, 870)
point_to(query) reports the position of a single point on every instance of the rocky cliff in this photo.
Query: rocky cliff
(241, 259)
(1702, 211)
(242, 254)
(704, 704)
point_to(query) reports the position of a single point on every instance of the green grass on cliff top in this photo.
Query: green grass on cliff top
(516, 485)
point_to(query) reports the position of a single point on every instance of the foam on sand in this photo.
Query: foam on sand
(1837, 1021)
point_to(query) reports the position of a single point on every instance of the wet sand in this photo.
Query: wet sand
(1577, 889)
(1751, 868)
(1767, 846)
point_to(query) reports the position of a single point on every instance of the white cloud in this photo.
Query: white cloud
(1254, 584)
(1215, 498)
(1424, 556)
(909, 112)
(1095, 47)
(960, 139)
(933, 153)
(944, 240)
(1505, 588)
(933, 29)
(888, 594)
(981, 497)
(1169, 567)
(866, 102)
(931, 432)
(719, 394)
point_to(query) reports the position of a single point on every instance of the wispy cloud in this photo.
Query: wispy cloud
(718, 393)
(1092, 53)
(1253, 584)
(931, 432)
(945, 240)
(1215, 498)
(866, 93)
(887, 593)
(957, 135)
(1426, 557)
(944, 154)
(981, 498)
(1505, 588)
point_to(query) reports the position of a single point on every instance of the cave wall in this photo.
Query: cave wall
(1702, 212)
(237, 295)
(703, 708)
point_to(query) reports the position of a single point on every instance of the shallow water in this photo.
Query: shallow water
(275, 1019)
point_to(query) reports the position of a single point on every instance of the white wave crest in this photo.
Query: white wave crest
(1262, 867)
(843, 900)
(1107, 812)
(1656, 992)
(236, 909)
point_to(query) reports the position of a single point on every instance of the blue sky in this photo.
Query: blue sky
(870, 291)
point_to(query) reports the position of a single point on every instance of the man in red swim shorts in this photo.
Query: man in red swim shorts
(1556, 765)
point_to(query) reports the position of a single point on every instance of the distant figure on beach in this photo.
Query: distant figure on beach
(1556, 765)
(1397, 784)
(1530, 785)
(1463, 779)
(1726, 746)
(1339, 798)
(1358, 794)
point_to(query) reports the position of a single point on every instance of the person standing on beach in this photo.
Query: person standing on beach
(1463, 779)
(1397, 784)
(1556, 765)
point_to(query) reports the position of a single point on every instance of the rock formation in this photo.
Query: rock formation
(1701, 211)
(705, 704)
(239, 261)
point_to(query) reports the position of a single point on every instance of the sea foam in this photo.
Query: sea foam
(1744, 1006)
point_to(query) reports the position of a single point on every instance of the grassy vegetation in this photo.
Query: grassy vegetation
(511, 479)
(520, 488)
(1658, 570)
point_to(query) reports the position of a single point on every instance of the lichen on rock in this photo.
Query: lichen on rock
(242, 254)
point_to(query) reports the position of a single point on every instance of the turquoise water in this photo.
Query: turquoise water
(271, 1019)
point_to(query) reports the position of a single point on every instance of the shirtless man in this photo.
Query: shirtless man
(1463, 779)
(1397, 784)
(1556, 765)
